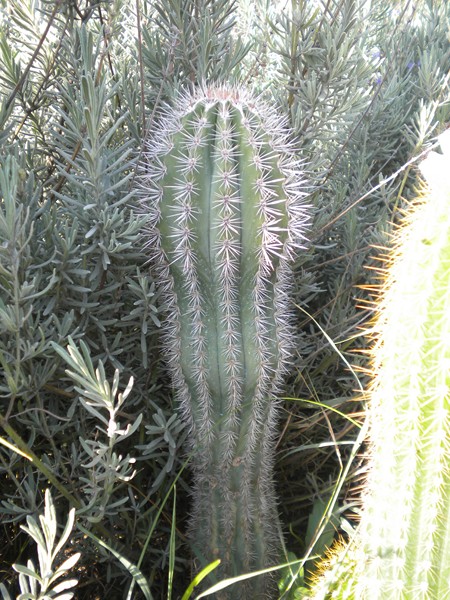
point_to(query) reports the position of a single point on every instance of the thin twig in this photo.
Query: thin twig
(21, 81)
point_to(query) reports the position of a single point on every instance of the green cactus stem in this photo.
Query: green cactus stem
(401, 550)
(225, 193)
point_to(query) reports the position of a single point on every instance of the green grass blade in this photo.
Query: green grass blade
(133, 570)
(199, 578)
(172, 546)
(232, 580)
(150, 533)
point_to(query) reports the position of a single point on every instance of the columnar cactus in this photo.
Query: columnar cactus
(225, 193)
(402, 548)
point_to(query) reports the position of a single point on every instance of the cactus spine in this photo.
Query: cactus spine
(402, 547)
(225, 194)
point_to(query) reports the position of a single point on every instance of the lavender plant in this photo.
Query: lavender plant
(225, 194)
(49, 581)
(388, 66)
(106, 469)
(69, 268)
(363, 85)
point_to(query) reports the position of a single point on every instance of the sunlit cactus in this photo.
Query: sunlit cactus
(225, 194)
(402, 548)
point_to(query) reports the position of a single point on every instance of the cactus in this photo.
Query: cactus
(225, 194)
(402, 547)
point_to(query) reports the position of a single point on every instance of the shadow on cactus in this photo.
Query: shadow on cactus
(226, 197)
(401, 549)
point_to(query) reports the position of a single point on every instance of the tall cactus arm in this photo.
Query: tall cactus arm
(225, 192)
(402, 548)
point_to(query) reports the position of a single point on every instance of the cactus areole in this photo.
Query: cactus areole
(226, 197)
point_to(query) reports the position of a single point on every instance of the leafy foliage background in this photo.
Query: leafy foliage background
(365, 88)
